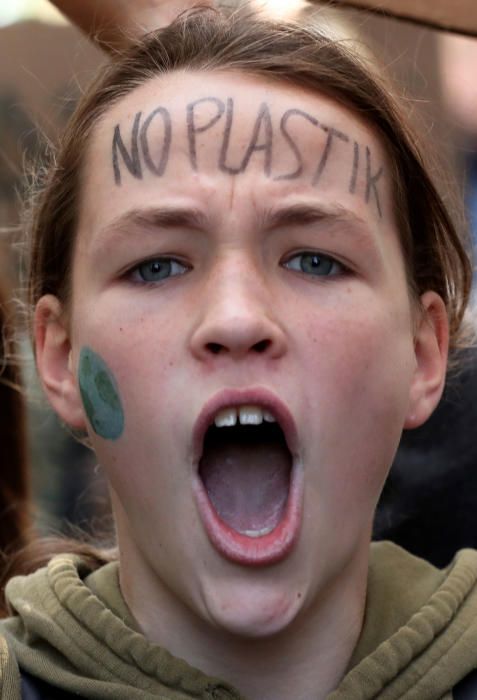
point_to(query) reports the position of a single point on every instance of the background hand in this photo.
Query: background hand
(112, 24)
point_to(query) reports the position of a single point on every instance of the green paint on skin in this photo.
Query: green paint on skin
(100, 395)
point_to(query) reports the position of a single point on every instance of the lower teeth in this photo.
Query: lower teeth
(257, 533)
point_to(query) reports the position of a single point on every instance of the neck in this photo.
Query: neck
(313, 651)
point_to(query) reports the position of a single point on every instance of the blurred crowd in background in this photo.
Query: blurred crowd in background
(44, 63)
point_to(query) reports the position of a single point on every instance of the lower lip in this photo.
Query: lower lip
(254, 551)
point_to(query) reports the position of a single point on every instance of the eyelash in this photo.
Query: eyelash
(336, 268)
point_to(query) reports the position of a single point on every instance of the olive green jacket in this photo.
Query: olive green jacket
(73, 629)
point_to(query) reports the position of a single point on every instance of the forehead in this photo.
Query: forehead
(226, 138)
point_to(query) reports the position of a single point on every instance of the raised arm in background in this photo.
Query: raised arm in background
(112, 23)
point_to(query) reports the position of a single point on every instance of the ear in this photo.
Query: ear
(431, 344)
(53, 359)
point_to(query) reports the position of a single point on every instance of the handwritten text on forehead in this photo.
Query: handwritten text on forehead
(135, 154)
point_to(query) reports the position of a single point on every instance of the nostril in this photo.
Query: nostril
(214, 348)
(261, 346)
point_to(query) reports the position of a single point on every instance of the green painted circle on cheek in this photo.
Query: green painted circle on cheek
(100, 395)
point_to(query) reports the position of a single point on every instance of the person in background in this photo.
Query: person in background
(15, 507)
(429, 501)
(458, 57)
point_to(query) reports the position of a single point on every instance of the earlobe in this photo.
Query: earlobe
(431, 349)
(54, 362)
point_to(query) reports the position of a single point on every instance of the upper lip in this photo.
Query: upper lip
(257, 396)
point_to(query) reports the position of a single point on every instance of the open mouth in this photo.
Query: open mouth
(247, 485)
(245, 468)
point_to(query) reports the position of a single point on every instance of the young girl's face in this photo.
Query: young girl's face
(237, 258)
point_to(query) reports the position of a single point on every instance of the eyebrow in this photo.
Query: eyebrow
(331, 217)
(192, 218)
(154, 218)
(306, 213)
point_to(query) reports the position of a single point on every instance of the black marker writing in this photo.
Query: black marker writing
(132, 161)
(263, 122)
(331, 134)
(135, 150)
(193, 129)
(229, 116)
(283, 128)
(371, 181)
(166, 141)
(354, 174)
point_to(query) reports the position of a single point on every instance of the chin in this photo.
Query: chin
(253, 612)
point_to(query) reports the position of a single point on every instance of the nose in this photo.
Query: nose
(238, 318)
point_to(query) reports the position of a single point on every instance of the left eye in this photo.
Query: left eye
(157, 270)
(316, 264)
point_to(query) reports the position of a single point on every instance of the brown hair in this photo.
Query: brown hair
(436, 258)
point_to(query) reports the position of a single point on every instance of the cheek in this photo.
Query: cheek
(365, 352)
(141, 361)
(142, 351)
(360, 369)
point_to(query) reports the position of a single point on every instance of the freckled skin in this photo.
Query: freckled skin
(339, 352)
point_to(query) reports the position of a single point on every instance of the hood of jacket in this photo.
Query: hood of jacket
(73, 629)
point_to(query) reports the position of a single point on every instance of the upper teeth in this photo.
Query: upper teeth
(246, 415)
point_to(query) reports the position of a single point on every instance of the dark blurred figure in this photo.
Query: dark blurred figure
(14, 479)
(429, 503)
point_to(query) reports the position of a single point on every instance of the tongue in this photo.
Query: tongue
(247, 479)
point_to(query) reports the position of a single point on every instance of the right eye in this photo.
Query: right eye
(157, 270)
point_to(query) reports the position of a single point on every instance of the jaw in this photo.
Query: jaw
(230, 599)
